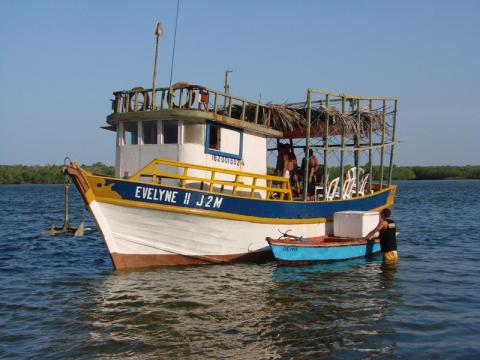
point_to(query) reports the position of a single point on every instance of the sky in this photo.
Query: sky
(60, 61)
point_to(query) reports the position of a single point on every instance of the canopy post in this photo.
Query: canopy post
(357, 151)
(384, 118)
(370, 143)
(342, 151)
(325, 150)
(393, 141)
(307, 144)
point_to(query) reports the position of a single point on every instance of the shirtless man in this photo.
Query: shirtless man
(388, 235)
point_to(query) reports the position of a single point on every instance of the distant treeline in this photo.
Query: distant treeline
(431, 172)
(44, 174)
(51, 174)
(416, 172)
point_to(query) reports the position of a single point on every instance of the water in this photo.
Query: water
(60, 298)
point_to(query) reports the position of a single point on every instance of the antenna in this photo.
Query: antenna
(174, 43)
(227, 88)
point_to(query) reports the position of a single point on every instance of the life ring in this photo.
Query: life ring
(182, 85)
(131, 101)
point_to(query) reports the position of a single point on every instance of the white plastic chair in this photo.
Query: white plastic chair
(353, 172)
(332, 189)
(363, 184)
(318, 192)
(319, 188)
(348, 188)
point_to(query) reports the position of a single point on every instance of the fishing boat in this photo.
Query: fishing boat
(292, 250)
(193, 184)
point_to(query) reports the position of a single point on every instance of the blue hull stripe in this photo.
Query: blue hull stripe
(186, 198)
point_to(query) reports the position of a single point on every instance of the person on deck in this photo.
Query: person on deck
(294, 173)
(388, 235)
(282, 159)
(313, 165)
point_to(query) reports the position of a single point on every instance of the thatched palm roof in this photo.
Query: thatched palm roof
(291, 119)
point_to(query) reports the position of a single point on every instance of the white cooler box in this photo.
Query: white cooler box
(354, 223)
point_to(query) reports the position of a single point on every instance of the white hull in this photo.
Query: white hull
(144, 237)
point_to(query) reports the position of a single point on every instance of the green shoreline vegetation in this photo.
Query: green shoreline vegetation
(51, 174)
(45, 174)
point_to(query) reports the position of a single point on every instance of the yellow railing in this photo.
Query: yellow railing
(275, 187)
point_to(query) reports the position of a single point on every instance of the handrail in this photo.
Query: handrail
(191, 97)
(152, 170)
(354, 97)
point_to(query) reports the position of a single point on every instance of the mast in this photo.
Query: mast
(307, 144)
(158, 33)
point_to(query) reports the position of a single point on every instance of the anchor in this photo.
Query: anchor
(66, 229)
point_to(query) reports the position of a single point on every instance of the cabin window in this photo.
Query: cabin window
(224, 141)
(192, 133)
(130, 133)
(149, 132)
(170, 132)
(214, 138)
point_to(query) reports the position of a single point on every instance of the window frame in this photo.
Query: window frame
(208, 150)
(143, 132)
(179, 134)
(124, 133)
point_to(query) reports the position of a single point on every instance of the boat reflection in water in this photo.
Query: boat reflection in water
(340, 307)
(245, 311)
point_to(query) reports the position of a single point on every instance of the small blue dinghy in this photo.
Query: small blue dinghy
(293, 250)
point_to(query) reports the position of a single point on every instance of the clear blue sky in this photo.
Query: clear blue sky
(60, 61)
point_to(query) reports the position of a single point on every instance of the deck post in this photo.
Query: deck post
(180, 100)
(190, 98)
(135, 101)
(342, 151)
(170, 98)
(162, 100)
(325, 150)
(226, 88)
(393, 141)
(357, 146)
(384, 118)
(127, 102)
(370, 143)
(229, 106)
(307, 144)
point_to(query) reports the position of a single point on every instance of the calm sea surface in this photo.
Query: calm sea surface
(60, 298)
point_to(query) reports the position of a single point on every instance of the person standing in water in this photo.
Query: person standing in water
(388, 235)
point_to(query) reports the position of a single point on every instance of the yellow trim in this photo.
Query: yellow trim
(89, 196)
(202, 212)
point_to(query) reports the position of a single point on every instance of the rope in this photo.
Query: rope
(174, 43)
